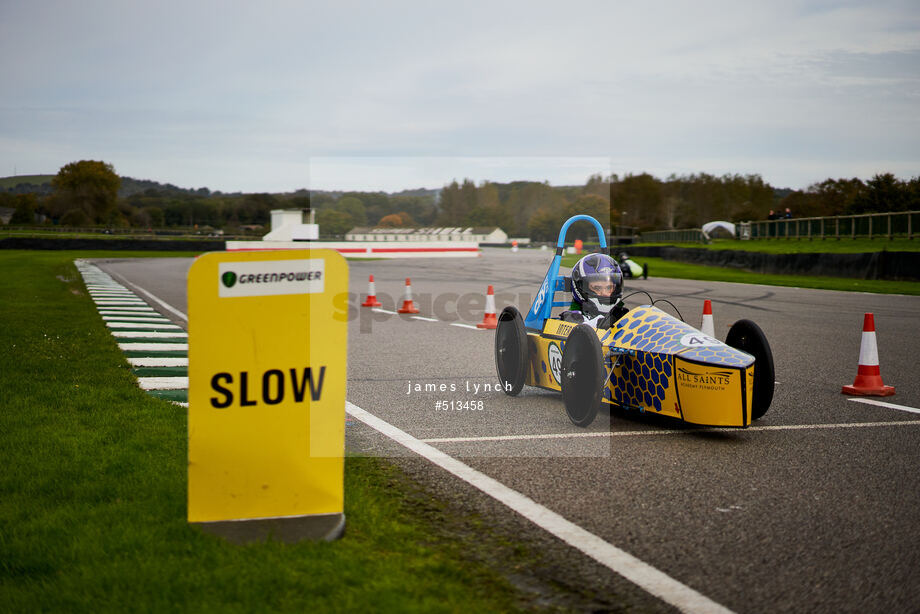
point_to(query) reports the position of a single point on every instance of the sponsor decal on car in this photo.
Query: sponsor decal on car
(706, 379)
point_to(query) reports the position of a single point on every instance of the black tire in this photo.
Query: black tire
(746, 336)
(645, 271)
(511, 351)
(582, 375)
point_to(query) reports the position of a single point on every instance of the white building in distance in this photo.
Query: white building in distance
(288, 225)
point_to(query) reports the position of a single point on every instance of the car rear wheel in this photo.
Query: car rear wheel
(511, 350)
(582, 375)
(746, 336)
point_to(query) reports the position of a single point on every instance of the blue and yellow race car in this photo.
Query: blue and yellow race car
(647, 360)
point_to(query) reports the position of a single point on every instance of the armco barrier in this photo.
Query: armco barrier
(871, 265)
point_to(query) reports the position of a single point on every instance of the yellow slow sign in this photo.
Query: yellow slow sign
(266, 385)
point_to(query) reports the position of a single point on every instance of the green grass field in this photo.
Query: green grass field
(93, 493)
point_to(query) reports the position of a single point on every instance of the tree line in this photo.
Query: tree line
(690, 201)
(89, 193)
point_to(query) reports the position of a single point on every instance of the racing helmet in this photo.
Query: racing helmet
(592, 269)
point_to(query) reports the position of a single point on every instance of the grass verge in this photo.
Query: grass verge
(93, 492)
(802, 246)
(658, 267)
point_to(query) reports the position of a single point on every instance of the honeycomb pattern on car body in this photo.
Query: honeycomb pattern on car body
(642, 382)
(648, 329)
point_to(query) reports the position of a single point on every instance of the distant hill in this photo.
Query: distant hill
(26, 184)
(423, 192)
(130, 186)
(41, 184)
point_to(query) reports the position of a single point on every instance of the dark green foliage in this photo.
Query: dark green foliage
(882, 193)
(520, 208)
(88, 185)
(334, 222)
(26, 206)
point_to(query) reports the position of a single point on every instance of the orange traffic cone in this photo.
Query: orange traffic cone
(489, 320)
(371, 295)
(408, 305)
(707, 327)
(868, 380)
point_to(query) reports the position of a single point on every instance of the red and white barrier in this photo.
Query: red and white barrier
(868, 380)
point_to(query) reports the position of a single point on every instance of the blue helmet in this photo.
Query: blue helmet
(591, 270)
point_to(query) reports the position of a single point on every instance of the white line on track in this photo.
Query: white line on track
(379, 310)
(145, 309)
(159, 301)
(912, 410)
(461, 325)
(425, 319)
(636, 571)
(140, 325)
(135, 318)
(158, 362)
(153, 347)
(125, 303)
(149, 334)
(778, 427)
(163, 383)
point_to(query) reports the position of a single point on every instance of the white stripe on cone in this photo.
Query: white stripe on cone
(707, 327)
(408, 305)
(489, 319)
(868, 381)
(868, 349)
(371, 300)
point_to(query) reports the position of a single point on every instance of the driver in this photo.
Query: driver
(597, 288)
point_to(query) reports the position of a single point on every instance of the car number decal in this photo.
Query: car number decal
(698, 340)
(555, 362)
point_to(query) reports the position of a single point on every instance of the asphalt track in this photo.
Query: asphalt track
(815, 508)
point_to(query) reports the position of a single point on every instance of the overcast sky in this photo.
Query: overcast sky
(278, 95)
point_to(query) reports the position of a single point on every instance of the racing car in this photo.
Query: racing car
(632, 269)
(647, 360)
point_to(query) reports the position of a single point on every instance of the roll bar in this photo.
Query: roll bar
(543, 304)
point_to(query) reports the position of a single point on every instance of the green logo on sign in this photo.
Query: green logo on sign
(229, 278)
